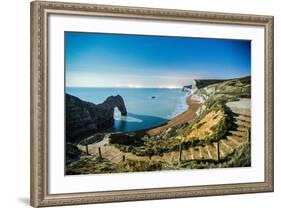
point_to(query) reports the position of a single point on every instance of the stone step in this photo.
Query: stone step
(196, 153)
(212, 151)
(187, 155)
(232, 144)
(238, 133)
(237, 140)
(191, 154)
(207, 149)
(242, 129)
(199, 153)
(243, 124)
(223, 150)
(232, 141)
(204, 153)
(243, 118)
(174, 156)
(244, 112)
(227, 149)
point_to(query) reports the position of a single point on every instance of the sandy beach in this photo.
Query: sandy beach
(189, 114)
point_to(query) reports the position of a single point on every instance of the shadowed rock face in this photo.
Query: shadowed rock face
(198, 84)
(201, 83)
(72, 153)
(85, 118)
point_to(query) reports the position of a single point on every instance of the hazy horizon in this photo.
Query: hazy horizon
(124, 87)
(137, 61)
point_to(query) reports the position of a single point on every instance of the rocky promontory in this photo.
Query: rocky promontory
(86, 118)
(201, 83)
(187, 88)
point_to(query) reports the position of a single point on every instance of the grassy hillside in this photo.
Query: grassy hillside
(218, 137)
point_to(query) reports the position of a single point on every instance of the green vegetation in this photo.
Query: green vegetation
(139, 165)
(241, 157)
(214, 122)
(171, 139)
(89, 165)
(127, 139)
(151, 146)
(234, 89)
(219, 129)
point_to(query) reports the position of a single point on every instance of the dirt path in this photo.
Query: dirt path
(109, 151)
(226, 145)
(243, 106)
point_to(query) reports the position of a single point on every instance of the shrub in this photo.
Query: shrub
(139, 165)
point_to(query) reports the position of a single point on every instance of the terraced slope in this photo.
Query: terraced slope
(236, 137)
(219, 136)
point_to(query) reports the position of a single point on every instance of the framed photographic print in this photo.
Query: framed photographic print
(144, 103)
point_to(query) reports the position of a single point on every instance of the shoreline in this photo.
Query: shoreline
(189, 114)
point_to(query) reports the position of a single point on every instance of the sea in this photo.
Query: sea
(146, 107)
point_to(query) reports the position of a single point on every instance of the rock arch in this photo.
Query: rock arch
(115, 101)
(85, 118)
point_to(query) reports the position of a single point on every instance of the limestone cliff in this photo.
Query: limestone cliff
(218, 137)
(221, 90)
(85, 118)
(201, 83)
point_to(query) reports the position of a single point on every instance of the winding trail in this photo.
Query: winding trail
(109, 152)
(235, 138)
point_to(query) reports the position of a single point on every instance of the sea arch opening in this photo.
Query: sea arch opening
(117, 113)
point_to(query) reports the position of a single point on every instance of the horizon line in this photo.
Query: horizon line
(178, 87)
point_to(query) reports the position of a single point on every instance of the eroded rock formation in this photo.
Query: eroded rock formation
(85, 118)
(72, 153)
(201, 83)
(187, 88)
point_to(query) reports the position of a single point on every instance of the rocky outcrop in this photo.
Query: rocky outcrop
(93, 139)
(85, 118)
(186, 88)
(201, 83)
(127, 138)
(72, 153)
(222, 90)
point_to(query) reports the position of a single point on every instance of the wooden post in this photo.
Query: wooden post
(87, 150)
(218, 150)
(100, 153)
(123, 159)
(180, 149)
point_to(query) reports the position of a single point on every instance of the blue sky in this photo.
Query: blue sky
(115, 60)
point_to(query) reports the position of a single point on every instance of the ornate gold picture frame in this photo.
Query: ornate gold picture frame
(40, 85)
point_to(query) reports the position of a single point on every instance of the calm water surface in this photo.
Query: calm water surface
(143, 110)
